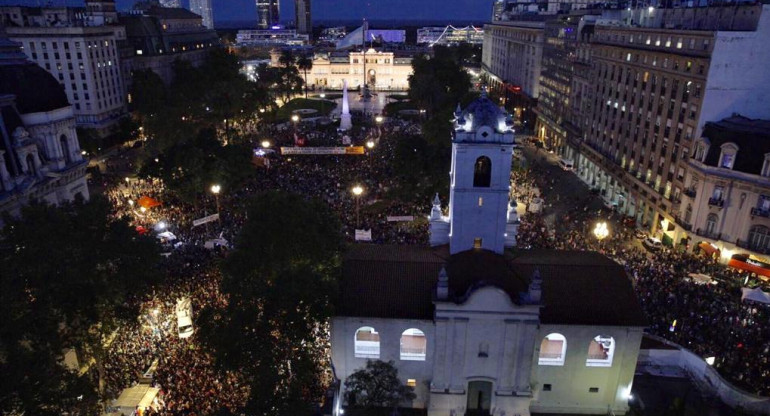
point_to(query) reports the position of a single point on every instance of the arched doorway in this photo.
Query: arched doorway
(372, 77)
(479, 398)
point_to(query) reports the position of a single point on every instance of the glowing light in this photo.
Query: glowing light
(265, 144)
(601, 231)
(357, 190)
(370, 144)
(215, 189)
(295, 118)
(710, 360)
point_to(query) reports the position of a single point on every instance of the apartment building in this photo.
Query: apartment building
(511, 57)
(80, 49)
(655, 90)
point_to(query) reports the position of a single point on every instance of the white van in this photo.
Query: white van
(566, 164)
(184, 318)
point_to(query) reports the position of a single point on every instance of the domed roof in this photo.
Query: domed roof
(35, 89)
(482, 112)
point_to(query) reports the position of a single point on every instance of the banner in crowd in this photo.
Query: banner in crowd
(350, 150)
(364, 235)
(402, 218)
(204, 220)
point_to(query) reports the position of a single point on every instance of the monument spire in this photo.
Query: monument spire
(345, 122)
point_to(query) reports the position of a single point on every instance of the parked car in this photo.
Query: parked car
(652, 244)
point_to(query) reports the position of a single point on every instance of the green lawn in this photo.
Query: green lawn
(324, 107)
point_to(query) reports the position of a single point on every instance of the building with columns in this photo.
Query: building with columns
(40, 157)
(476, 328)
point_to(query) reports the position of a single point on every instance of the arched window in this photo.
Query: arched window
(711, 223)
(553, 350)
(482, 172)
(367, 343)
(31, 167)
(413, 345)
(759, 237)
(65, 148)
(600, 351)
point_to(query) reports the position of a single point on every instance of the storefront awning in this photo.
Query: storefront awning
(708, 248)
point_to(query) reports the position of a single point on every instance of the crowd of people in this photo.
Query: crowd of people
(709, 319)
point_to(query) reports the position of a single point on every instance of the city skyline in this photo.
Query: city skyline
(241, 10)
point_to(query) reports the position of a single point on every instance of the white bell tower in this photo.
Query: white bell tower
(482, 147)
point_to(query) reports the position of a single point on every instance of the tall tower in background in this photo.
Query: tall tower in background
(302, 19)
(203, 8)
(267, 13)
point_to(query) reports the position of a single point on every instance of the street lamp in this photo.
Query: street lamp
(378, 119)
(295, 118)
(357, 191)
(601, 231)
(265, 144)
(215, 189)
(370, 144)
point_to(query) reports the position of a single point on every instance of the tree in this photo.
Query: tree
(286, 59)
(280, 282)
(305, 64)
(377, 385)
(438, 83)
(68, 272)
(148, 92)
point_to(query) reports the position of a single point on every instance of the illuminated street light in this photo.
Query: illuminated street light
(265, 144)
(601, 231)
(323, 95)
(161, 225)
(127, 179)
(142, 210)
(357, 191)
(131, 202)
(295, 118)
(215, 189)
(378, 119)
(370, 144)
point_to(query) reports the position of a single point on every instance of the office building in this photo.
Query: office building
(563, 35)
(450, 35)
(170, 3)
(655, 90)
(271, 37)
(268, 14)
(511, 59)
(302, 19)
(203, 9)
(158, 36)
(82, 54)
(40, 157)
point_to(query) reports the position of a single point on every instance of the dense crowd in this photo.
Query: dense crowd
(711, 320)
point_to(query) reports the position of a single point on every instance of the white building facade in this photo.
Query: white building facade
(476, 329)
(512, 55)
(204, 10)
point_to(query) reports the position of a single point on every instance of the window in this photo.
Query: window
(31, 167)
(411, 382)
(546, 387)
(367, 343)
(759, 237)
(600, 351)
(727, 157)
(553, 350)
(481, 201)
(766, 166)
(482, 172)
(711, 223)
(65, 148)
(593, 389)
(413, 345)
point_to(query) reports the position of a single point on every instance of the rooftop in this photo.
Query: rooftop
(579, 288)
(751, 136)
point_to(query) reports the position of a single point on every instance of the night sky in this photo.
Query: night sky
(438, 10)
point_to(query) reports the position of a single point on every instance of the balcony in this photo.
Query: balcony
(759, 212)
(708, 234)
(749, 246)
(717, 202)
(690, 192)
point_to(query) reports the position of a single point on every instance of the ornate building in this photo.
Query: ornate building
(480, 330)
(40, 155)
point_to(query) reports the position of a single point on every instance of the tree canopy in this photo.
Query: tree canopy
(280, 282)
(67, 273)
(377, 385)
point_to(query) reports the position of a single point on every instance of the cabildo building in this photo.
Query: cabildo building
(481, 330)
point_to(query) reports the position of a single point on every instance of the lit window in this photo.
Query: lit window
(553, 350)
(139, 52)
(477, 243)
(367, 343)
(411, 382)
(413, 345)
(600, 351)
(481, 201)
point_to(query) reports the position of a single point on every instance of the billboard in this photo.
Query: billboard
(349, 150)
